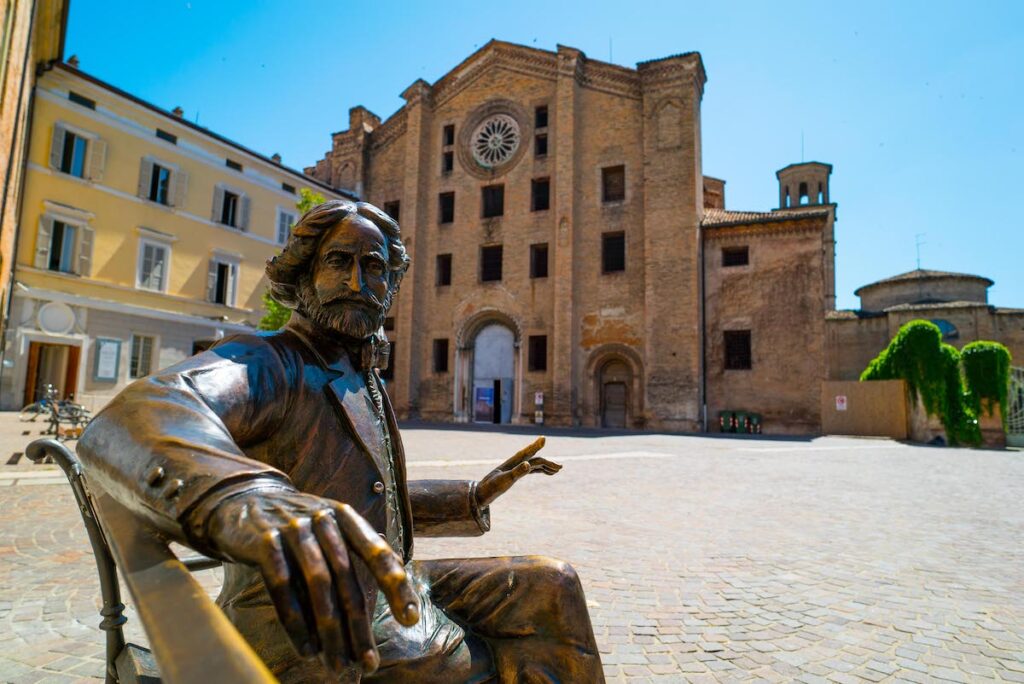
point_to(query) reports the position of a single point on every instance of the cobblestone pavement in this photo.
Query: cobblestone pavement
(704, 559)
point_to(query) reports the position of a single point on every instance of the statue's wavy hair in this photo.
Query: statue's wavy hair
(290, 270)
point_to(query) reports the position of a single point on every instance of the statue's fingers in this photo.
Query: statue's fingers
(384, 563)
(542, 464)
(277, 575)
(523, 454)
(349, 592)
(322, 610)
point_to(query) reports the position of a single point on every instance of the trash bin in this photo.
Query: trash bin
(742, 421)
(755, 424)
(726, 421)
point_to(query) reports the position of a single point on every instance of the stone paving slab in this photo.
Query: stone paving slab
(704, 559)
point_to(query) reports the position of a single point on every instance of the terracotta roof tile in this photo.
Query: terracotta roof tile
(714, 218)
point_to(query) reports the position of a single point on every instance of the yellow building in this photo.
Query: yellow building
(143, 238)
(31, 35)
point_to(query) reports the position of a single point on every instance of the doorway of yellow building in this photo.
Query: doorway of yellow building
(51, 364)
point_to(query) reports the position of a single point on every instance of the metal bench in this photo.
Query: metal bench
(191, 639)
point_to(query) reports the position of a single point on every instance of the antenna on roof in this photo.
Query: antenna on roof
(917, 243)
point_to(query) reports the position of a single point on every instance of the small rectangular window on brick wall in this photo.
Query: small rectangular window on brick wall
(735, 256)
(737, 349)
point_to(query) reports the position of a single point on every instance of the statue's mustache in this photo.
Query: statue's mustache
(365, 299)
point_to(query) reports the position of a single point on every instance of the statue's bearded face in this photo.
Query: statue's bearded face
(348, 288)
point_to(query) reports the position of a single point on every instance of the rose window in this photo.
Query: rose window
(495, 140)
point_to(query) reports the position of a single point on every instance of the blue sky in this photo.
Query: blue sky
(919, 106)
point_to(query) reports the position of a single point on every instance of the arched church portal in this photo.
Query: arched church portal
(615, 380)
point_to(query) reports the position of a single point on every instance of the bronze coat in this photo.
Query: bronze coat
(257, 407)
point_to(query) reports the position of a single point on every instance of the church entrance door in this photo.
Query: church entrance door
(493, 373)
(615, 381)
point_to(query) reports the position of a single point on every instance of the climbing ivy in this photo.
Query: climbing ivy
(987, 375)
(931, 370)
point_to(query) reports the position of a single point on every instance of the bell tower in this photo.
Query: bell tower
(803, 185)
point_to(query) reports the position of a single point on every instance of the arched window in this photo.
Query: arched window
(821, 194)
(787, 196)
(948, 330)
(803, 193)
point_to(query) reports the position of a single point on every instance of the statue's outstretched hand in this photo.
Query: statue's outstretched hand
(498, 481)
(303, 545)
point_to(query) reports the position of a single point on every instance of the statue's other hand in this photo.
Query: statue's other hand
(524, 462)
(303, 545)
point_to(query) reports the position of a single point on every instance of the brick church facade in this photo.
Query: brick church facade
(569, 255)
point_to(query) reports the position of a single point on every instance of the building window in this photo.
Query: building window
(540, 194)
(441, 356)
(447, 162)
(446, 207)
(160, 184)
(389, 372)
(153, 258)
(229, 209)
(62, 247)
(490, 263)
(539, 260)
(169, 137)
(538, 353)
(493, 198)
(81, 100)
(142, 356)
(394, 210)
(613, 252)
(540, 145)
(737, 350)
(448, 135)
(288, 188)
(285, 221)
(540, 117)
(72, 159)
(232, 164)
(735, 256)
(613, 183)
(222, 282)
(444, 270)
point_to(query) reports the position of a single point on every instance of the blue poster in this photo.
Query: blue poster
(483, 405)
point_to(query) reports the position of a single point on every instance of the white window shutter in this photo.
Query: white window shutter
(85, 241)
(211, 282)
(43, 235)
(244, 212)
(218, 203)
(96, 159)
(57, 146)
(179, 183)
(145, 177)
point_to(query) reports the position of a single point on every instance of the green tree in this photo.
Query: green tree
(277, 314)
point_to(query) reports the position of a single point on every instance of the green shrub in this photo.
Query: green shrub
(987, 374)
(931, 370)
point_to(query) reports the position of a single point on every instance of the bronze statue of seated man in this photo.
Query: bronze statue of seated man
(279, 454)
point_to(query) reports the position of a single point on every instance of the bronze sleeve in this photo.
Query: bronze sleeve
(172, 440)
(447, 508)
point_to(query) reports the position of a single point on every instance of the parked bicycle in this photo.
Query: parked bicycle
(57, 411)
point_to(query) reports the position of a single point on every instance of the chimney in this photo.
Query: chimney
(178, 112)
(73, 61)
(276, 158)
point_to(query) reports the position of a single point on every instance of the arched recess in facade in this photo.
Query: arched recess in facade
(465, 349)
(613, 364)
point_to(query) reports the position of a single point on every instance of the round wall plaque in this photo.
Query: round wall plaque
(56, 318)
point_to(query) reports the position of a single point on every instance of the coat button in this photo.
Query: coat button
(154, 476)
(173, 489)
(378, 487)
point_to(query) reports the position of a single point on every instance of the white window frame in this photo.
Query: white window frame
(154, 353)
(80, 219)
(153, 238)
(234, 264)
(176, 177)
(90, 149)
(282, 211)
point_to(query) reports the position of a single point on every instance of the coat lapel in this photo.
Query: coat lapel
(350, 394)
(352, 397)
